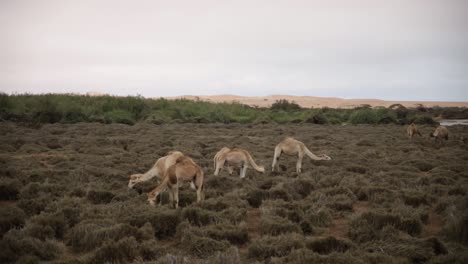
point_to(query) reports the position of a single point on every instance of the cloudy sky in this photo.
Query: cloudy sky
(392, 49)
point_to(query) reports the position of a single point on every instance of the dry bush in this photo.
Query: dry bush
(256, 196)
(16, 244)
(164, 221)
(328, 245)
(199, 216)
(99, 197)
(456, 227)
(274, 225)
(11, 217)
(236, 235)
(88, 235)
(201, 246)
(279, 246)
(47, 225)
(122, 251)
(9, 189)
(368, 226)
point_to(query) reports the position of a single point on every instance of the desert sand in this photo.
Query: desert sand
(316, 102)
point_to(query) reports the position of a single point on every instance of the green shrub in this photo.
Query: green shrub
(285, 105)
(119, 116)
(317, 118)
(363, 116)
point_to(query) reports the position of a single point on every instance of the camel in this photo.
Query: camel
(291, 146)
(158, 169)
(184, 170)
(440, 133)
(235, 157)
(412, 130)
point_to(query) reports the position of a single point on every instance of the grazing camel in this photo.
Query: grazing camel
(158, 169)
(235, 157)
(184, 170)
(291, 146)
(440, 133)
(412, 130)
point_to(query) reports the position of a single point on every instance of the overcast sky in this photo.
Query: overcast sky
(393, 49)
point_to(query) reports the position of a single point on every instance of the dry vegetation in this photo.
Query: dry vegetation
(382, 199)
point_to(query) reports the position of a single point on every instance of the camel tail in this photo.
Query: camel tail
(310, 154)
(253, 164)
(198, 181)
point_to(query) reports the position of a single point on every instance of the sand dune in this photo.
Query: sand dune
(316, 102)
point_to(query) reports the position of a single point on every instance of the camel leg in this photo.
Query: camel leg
(276, 159)
(199, 194)
(175, 189)
(243, 171)
(219, 166)
(299, 163)
(171, 197)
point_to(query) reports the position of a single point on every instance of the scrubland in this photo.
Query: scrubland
(381, 199)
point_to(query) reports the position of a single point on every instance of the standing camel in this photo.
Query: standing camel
(235, 157)
(291, 146)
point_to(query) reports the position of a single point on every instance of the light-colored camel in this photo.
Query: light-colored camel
(412, 130)
(184, 170)
(158, 169)
(440, 133)
(235, 157)
(291, 146)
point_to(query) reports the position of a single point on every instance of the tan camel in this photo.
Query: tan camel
(158, 169)
(291, 146)
(235, 157)
(412, 130)
(440, 133)
(184, 170)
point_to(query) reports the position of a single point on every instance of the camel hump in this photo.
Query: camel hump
(181, 159)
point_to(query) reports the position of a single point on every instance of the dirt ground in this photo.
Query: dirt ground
(380, 192)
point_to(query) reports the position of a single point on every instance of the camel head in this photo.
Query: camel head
(261, 169)
(324, 157)
(133, 180)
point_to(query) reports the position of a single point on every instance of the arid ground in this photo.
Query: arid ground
(383, 198)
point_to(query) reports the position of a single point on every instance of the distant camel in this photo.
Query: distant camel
(291, 146)
(158, 169)
(184, 170)
(235, 157)
(440, 133)
(412, 130)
